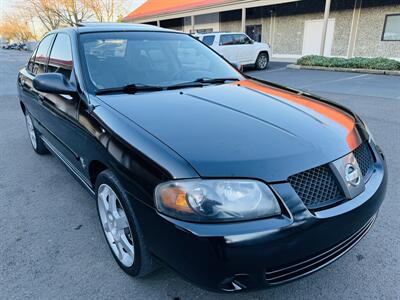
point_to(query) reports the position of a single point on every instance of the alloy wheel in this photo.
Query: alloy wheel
(263, 61)
(31, 130)
(115, 225)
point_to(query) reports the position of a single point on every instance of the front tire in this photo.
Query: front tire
(262, 61)
(36, 142)
(121, 228)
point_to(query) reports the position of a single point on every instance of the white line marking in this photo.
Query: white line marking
(336, 80)
(276, 70)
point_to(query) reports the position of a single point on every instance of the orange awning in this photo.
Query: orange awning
(158, 7)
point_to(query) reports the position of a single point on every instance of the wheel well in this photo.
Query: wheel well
(266, 52)
(95, 168)
(23, 107)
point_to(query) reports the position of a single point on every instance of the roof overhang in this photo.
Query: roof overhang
(209, 9)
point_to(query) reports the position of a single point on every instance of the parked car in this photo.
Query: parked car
(8, 46)
(15, 46)
(21, 47)
(234, 182)
(238, 48)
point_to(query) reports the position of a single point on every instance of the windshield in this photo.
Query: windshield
(117, 59)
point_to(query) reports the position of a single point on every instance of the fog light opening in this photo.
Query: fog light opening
(235, 283)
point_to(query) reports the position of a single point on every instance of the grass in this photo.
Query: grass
(378, 63)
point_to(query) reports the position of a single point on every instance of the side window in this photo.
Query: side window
(241, 39)
(41, 56)
(61, 56)
(31, 62)
(209, 39)
(226, 39)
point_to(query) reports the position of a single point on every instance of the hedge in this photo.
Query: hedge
(378, 63)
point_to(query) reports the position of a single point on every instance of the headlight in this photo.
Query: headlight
(216, 200)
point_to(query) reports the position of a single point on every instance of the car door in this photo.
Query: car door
(227, 47)
(61, 111)
(246, 50)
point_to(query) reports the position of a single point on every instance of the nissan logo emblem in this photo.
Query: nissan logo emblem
(352, 174)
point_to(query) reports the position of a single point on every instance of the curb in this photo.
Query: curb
(365, 71)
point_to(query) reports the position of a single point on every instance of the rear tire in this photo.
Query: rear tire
(121, 227)
(34, 136)
(262, 61)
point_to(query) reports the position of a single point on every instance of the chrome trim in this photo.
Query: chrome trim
(347, 245)
(340, 167)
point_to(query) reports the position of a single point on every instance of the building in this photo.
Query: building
(368, 28)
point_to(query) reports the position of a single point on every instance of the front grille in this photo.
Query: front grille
(364, 158)
(312, 264)
(317, 187)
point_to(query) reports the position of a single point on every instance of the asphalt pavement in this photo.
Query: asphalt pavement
(52, 247)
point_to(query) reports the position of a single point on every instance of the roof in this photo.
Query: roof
(157, 7)
(93, 27)
(109, 27)
(217, 32)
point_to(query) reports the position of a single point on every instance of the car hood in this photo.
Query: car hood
(246, 129)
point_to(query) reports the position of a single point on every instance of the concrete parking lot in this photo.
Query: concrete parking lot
(52, 247)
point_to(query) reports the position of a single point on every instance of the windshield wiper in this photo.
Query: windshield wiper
(138, 87)
(201, 82)
(131, 89)
(216, 80)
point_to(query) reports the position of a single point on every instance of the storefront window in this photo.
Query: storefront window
(391, 30)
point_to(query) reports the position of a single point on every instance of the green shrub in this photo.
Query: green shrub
(378, 63)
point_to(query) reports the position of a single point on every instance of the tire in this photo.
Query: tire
(121, 228)
(262, 61)
(34, 136)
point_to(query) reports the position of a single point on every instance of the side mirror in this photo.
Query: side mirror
(237, 66)
(53, 83)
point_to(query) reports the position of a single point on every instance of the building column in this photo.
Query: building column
(243, 20)
(325, 26)
(192, 24)
(271, 28)
(354, 27)
(158, 23)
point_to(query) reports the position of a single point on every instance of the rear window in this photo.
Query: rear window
(209, 39)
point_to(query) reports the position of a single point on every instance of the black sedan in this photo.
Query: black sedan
(233, 182)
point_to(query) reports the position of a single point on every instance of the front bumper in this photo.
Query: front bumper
(267, 252)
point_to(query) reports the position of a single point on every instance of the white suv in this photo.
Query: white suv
(238, 48)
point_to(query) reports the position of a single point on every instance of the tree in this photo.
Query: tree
(41, 9)
(71, 12)
(52, 14)
(15, 27)
(107, 10)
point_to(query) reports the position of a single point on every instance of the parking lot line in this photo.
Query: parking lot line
(335, 80)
